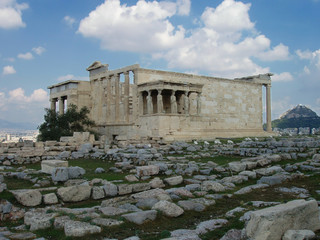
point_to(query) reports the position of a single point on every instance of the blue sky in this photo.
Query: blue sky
(44, 42)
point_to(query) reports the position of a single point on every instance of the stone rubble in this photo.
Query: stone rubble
(166, 179)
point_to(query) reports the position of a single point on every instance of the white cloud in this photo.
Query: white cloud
(229, 17)
(18, 96)
(279, 52)
(25, 56)
(183, 7)
(304, 54)
(143, 27)
(282, 77)
(225, 43)
(11, 14)
(8, 70)
(38, 50)
(17, 106)
(65, 77)
(69, 20)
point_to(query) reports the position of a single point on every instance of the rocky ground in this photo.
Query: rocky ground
(198, 190)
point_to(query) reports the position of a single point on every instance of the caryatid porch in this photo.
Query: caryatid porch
(163, 97)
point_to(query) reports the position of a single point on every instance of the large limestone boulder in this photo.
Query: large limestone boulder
(110, 189)
(141, 217)
(74, 193)
(60, 174)
(147, 170)
(80, 229)
(38, 219)
(28, 197)
(47, 166)
(271, 223)
(212, 185)
(169, 209)
(237, 166)
(172, 181)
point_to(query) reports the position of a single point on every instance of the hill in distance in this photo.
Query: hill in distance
(299, 116)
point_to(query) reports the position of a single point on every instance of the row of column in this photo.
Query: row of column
(61, 101)
(173, 102)
(116, 99)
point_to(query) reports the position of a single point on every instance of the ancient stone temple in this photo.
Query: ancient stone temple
(137, 103)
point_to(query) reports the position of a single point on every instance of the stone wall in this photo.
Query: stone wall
(30, 152)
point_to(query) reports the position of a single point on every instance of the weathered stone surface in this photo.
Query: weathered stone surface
(172, 181)
(131, 178)
(47, 166)
(139, 187)
(232, 234)
(188, 205)
(212, 185)
(22, 236)
(74, 193)
(147, 170)
(141, 217)
(80, 229)
(28, 197)
(38, 219)
(60, 174)
(97, 192)
(168, 209)
(106, 222)
(298, 235)
(112, 211)
(157, 183)
(153, 193)
(237, 166)
(251, 188)
(271, 223)
(50, 198)
(75, 172)
(210, 225)
(124, 189)
(110, 189)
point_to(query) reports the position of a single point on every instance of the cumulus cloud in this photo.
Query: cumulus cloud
(18, 95)
(16, 105)
(8, 70)
(25, 56)
(225, 43)
(11, 14)
(282, 77)
(69, 20)
(38, 50)
(183, 7)
(143, 27)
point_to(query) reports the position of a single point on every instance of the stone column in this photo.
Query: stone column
(159, 101)
(109, 95)
(173, 102)
(61, 105)
(53, 104)
(117, 100)
(199, 103)
(126, 96)
(135, 96)
(186, 102)
(149, 103)
(141, 103)
(268, 107)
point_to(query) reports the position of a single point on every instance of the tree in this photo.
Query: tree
(57, 125)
